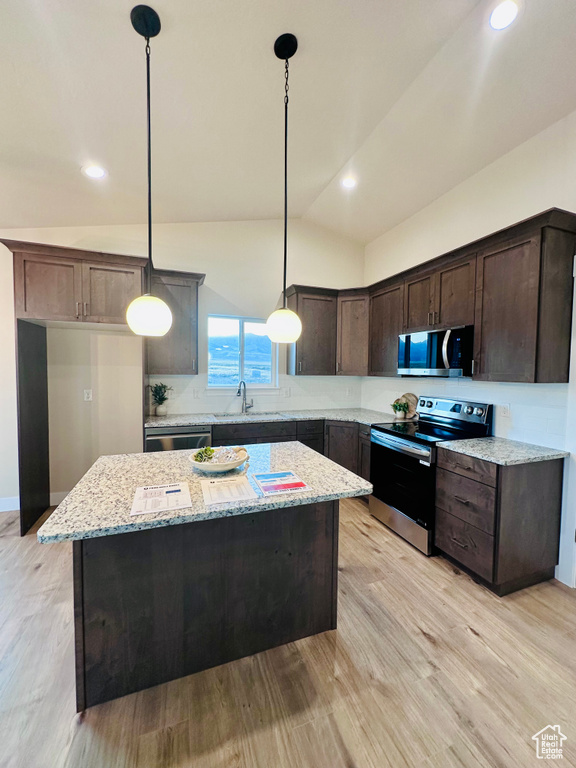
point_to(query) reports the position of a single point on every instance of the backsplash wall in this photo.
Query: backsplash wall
(191, 395)
(537, 412)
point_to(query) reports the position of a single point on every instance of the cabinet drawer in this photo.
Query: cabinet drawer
(465, 543)
(304, 428)
(467, 499)
(476, 469)
(364, 431)
(245, 431)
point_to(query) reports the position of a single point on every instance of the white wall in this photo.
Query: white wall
(537, 175)
(110, 364)
(243, 264)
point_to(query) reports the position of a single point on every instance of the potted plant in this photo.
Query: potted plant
(400, 408)
(159, 397)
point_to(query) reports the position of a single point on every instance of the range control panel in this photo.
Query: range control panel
(458, 410)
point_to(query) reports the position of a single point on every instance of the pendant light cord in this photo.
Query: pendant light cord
(284, 304)
(149, 139)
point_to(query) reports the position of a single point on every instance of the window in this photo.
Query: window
(238, 348)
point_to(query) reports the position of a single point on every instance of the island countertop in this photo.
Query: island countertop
(100, 504)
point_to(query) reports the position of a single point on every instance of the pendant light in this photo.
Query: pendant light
(284, 326)
(148, 315)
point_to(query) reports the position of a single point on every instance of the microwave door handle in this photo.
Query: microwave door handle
(445, 349)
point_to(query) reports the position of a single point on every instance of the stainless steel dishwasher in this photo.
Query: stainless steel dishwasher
(176, 438)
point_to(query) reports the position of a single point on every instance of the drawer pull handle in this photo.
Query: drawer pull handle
(467, 469)
(461, 544)
(462, 501)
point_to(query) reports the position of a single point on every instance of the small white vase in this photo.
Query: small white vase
(161, 410)
(400, 416)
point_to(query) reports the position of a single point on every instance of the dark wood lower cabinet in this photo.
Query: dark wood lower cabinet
(364, 451)
(316, 443)
(504, 530)
(155, 605)
(259, 432)
(341, 443)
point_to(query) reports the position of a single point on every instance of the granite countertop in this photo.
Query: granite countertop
(100, 504)
(359, 415)
(501, 451)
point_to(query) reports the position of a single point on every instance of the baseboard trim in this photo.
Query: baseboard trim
(9, 503)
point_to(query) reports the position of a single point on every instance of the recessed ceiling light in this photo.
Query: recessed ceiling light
(94, 171)
(349, 182)
(504, 14)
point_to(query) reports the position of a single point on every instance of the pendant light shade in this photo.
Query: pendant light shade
(284, 326)
(148, 315)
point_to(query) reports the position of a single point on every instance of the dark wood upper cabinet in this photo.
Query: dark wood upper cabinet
(314, 354)
(386, 323)
(47, 287)
(57, 283)
(341, 443)
(419, 297)
(177, 352)
(454, 294)
(440, 299)
(107, 290)
(352, 333)
(524, 308)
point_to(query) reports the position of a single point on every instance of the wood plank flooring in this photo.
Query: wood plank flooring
(426, 669)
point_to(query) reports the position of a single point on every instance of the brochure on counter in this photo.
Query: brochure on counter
(220, 490)
(161, 498)
(274, 483)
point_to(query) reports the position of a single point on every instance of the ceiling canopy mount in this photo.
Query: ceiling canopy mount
(145, 21)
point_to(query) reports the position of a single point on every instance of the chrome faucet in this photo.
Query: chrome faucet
(242, 392)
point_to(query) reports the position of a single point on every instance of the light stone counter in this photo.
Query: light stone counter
(359, 415)
(501, 451)
(99, 505)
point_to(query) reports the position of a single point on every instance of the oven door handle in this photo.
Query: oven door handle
(445, 349)
(401, 446)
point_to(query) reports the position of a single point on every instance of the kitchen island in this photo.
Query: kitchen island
(161, 596)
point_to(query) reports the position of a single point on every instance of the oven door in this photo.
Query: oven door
(404, 480)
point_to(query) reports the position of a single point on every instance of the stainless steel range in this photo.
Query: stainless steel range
(403, 463)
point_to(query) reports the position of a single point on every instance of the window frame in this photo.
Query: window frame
(274, 357)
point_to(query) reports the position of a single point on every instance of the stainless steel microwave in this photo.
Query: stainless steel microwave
(437, 353)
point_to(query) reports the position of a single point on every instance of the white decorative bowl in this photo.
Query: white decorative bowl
(216, 469)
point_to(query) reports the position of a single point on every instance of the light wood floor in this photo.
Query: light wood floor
(426, 669)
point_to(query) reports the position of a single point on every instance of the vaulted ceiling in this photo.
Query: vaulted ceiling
(412, 97)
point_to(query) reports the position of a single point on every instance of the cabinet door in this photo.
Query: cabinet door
(314, 442)
(352, 335)
(315, 350)
(454, 293)
(386, 323)
(107, 289)
(507, 283)
(177, 352)
(364, 448)
(419, 303)
(341, 443)
(47, 288)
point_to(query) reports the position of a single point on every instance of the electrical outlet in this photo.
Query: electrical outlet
(504, 410)
(87, 395)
